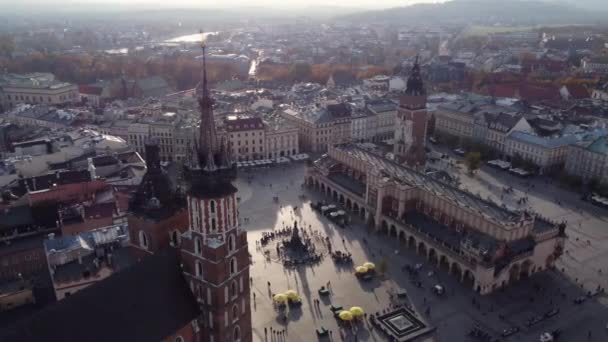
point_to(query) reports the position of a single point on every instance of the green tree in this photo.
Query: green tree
(472, 160)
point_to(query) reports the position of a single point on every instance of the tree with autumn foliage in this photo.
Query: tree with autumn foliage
(181, 71)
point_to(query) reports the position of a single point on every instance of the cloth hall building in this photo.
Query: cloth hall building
(483, 244)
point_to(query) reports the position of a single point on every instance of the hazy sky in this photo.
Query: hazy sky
(225, 3)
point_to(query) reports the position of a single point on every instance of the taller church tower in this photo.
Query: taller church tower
(214, 250)
(411, 125)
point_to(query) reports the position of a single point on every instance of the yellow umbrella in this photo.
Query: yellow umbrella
(345, 315)
(280, 298)
(291, 294)
(361, 269)
(369, 265)
(357, 311)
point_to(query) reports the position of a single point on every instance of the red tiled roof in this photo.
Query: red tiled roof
(578, 91)
(538, 92)
(89, 90)
(503, 90)
(99, 210)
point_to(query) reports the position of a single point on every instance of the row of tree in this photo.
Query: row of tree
(181, 71)
(319, 73)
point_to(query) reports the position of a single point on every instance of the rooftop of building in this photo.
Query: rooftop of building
(320, 114)
(47, 181)
(33, 80)
(75, 257)
(567, 138)
(234, 123)
(599, 145)
(502, 122)
(46, 113)
(152, 294)
(378, 106)
(460, 197)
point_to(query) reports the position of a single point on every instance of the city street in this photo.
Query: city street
(453, 314)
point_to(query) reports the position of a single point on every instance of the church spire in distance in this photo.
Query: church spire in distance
(415, 86)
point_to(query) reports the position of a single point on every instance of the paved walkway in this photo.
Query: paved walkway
(453, 315)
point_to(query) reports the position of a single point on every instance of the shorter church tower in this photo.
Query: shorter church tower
(411, 125)
(157, 211)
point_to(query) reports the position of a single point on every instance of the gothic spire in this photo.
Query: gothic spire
(415, 85)
(208, 145)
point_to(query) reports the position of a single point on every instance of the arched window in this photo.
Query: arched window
(233, 267)
(179, 339)
(231, 244)
(236, 335)
(175, 238)
(212, 206)
(233, 289)
(143, 240)
(198, 246)
(235, 312)
(199, 269)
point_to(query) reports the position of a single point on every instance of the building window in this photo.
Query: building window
(212, 206)
(199, 269)
(231, 244)
(198, 246)
(143, 240)
(233, 289)
(213, 225)
(175, 238)
(236, 335)
(233, 266)
(235, 312)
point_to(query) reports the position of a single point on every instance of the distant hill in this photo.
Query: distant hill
(489, 12)
(601, 5)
